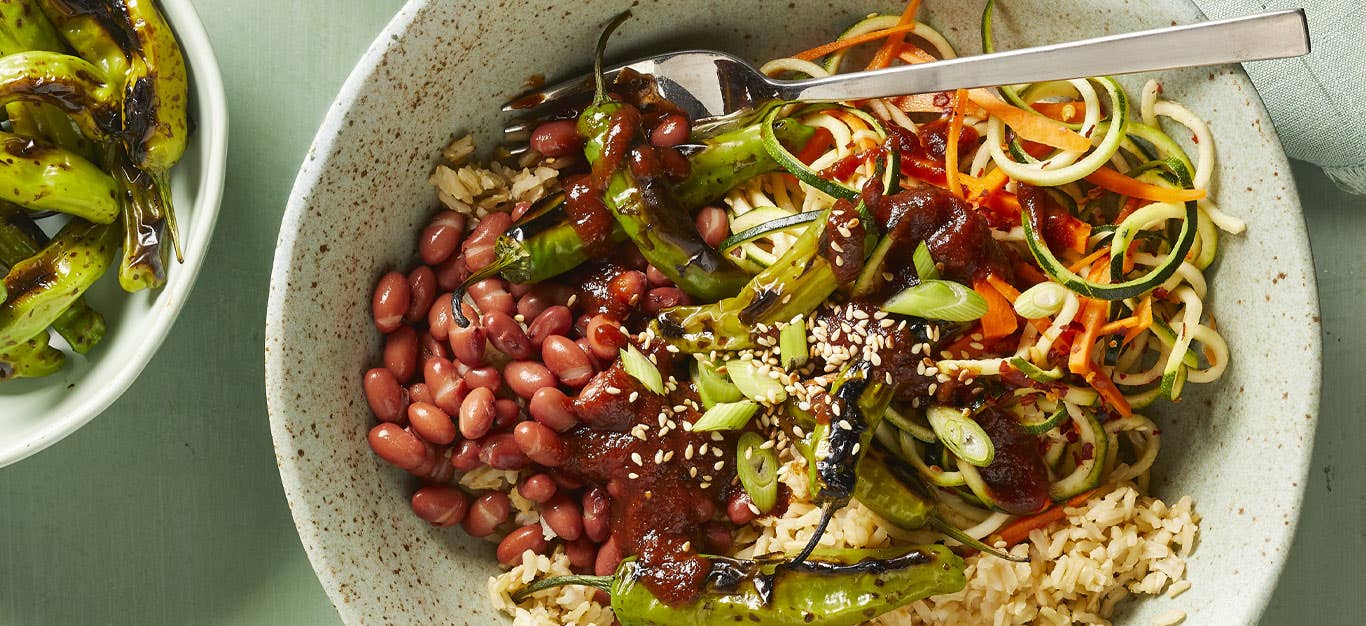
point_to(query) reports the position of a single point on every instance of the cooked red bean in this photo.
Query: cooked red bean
(479, 245)
(441, 505)
(597, 514)
(671, 131)
(551, 407)
(466, 456)
(581, 324)
(502, 452)
(440, 318)
(519, 209)
(555, 320)
(719, 539)
(468, 344)
(492, 295)
(562, 515)
(430, 347)
(518, 542)
(556, 139)
(525, 377)
(506, 412)
(436, 465)
(431, 423)
(419, 392)
(713, 225)
(476, 413)
(507, 335)
(567, 361)
(486, 377)
(540, 443)
(400, 353)
(531, 303)
(737, 508)
(451, 273)
(388, 399)
(486, 513)
(628, 287)
(582, 553)
(567, 482)
(447, 388)
(441, 237)
(422, 293)
(657, 278)
(392, 296)
(605, 337)
(397, 446)
(675, 165)
(661, 298)
(609, 557)
(538, 488)
(587, 349)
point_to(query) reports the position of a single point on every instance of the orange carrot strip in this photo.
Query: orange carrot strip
(1000, 319)
(1118, 325)
(951, 150)
(1072, 111)
(995, 179)
(889, 48)
(1114, 181)
(840, 44)
(1006, 289)
(1028, 124)
(1145, 320)
(1019, 530)
(1087, 260)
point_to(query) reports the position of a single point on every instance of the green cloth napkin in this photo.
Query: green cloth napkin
(1318, 101)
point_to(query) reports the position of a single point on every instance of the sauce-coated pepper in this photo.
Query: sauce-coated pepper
(832, 588)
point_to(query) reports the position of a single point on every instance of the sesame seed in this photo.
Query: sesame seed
(933, 387)
(687, 452)
(718, 465)
(763, 446)
(635, 458)
(845, 425)
(572, 299)
(687, 545)
(749, 453)
(614, 391)
(839, 261)
(753, 509)
(692, 472)
(715, 436)
(702, 449)
(976, 345)
(717, 452)
(704, 485)
(668, 456)
(857, 445)
(633, 475)
(659, 457)
(634, 395)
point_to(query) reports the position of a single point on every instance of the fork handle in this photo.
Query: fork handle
(1273, 35)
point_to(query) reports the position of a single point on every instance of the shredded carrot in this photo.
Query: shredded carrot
(1080, 361)
(1112, 180)
(840, 44)
(1118, 325)
(1072, 111)
(951, 150)
(1004, 288)
(1028, 124)
(889, 48)
(914, 55)
(993, 180)
(1145, 319)
(1019, 530)
(1000, 319)
(1087, 260)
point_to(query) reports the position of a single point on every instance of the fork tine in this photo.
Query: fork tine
(549, 95)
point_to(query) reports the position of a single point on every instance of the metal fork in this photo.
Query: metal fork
(713, 87)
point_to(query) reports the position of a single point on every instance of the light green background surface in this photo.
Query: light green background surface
(167, 509)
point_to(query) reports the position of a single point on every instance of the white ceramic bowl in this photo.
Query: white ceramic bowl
(35, 414)
(1240, 447)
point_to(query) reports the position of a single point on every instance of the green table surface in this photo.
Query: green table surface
(167, 509)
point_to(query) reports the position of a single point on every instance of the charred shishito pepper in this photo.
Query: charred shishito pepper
(832, 588)
(631, 179)
(545, 242)
(20, 239)
(43, 287)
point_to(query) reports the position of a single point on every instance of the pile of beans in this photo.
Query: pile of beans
(499, 393)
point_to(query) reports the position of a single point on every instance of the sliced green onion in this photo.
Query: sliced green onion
(756, 385)
(939, 300)
(726, 416)
(924, 263)
(961, 435)
(642, 369)
(757, 468)
(792, 349)
(1041, 300)
(713, 387)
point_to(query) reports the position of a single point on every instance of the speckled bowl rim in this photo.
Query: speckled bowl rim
(212, 133)
(325, 146)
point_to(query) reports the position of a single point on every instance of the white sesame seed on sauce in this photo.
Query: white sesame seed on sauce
(613, 391)
(715, 436)
(632, 475)
(692, 472)
(767, 445)
(932, 388)
(718, 465)
(976, 345)
(702, 449)
(687, 546)
(687, 452)
(857, 445)
(834, 245)
(572, 299)
(717, 451)
(704, 485)
(845, 425)
(668, 456)
(635, 458)
(634, 395)
(753, 509)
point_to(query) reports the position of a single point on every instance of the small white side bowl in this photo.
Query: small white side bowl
(35, 414)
